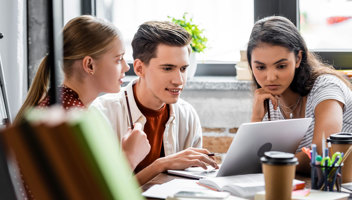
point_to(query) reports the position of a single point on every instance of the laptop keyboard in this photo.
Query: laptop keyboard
(207, 173)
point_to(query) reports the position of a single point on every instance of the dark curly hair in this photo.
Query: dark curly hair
(278, 30)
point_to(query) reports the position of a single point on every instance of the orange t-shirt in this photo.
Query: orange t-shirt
(154, 128)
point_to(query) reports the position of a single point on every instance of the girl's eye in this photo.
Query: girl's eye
(260, 67)
(281, 66)
(120, 59)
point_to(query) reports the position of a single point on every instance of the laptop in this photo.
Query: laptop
(250, 143)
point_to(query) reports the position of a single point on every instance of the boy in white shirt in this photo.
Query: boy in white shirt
(161, 56)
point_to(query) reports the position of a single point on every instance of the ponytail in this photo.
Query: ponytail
(37, 90)
(83, 36)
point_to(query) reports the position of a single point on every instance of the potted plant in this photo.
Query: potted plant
(198, 43)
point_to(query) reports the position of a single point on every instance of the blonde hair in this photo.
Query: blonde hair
(83, 36)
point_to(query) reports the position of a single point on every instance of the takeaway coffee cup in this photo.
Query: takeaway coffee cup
(340, 142)
(279, 171)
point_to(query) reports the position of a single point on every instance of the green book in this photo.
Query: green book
(93, 145)
(104, 154)
(67, 159)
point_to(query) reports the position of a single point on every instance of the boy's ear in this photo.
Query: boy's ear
(88, 65)
(138, 67)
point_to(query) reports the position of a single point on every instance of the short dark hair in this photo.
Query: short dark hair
(278, 30)
(150, 34)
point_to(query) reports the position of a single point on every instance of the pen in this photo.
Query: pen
(266, 104)
(314, 153)
(312, 161)
(323, 145)
(330, 149)
(326, 152)
(129, 110)
(335, 160)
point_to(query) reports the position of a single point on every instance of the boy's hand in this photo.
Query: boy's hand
(188, 158)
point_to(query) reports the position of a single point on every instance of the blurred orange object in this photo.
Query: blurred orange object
(307, 151)
(337, 19)
(347, 73)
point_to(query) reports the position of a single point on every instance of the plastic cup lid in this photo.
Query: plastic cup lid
(279, 158)
(340, 138)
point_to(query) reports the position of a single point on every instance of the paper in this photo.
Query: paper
(168, 189)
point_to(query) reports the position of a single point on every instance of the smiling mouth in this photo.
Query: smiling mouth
(174, 91)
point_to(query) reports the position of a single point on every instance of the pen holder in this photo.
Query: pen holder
(326, 178)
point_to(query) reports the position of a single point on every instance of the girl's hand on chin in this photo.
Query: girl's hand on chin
(259, 110)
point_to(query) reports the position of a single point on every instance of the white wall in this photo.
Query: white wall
(220, 109)
(13, 51)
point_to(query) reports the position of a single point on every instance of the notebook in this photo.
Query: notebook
(249, 145)
(308, 194)
(245, 186)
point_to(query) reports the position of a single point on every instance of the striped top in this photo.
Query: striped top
(325, 87)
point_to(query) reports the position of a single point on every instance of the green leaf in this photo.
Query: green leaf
(199, 41)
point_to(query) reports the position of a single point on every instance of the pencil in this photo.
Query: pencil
(129, 110)
(266, 104)
(349, 150)
(213, 154)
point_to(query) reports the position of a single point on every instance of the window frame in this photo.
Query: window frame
(262, 8)
(88, 7)
(340, 59)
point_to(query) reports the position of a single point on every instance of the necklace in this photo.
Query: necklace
(288, 110)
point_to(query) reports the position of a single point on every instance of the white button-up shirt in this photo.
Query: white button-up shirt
(182, 130)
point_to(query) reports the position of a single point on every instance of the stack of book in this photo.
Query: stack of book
(242, 67)
(69, 155)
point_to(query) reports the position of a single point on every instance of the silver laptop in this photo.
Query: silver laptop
(249, 145)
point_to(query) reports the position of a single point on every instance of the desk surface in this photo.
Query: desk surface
(163, 178)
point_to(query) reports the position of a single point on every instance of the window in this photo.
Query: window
(326, 24)
(226, 23)
(334, 49)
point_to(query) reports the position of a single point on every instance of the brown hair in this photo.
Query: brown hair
(83, 36)
(277, 30)
(150, 34)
